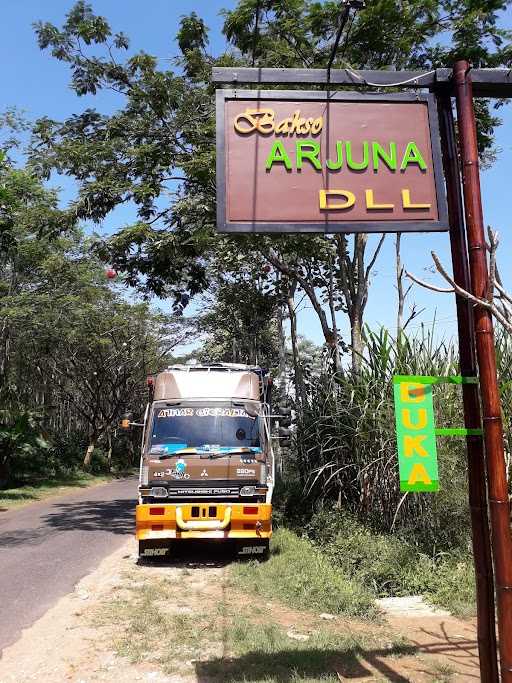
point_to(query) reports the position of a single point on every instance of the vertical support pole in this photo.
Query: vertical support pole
(478, 498)
(489, 391)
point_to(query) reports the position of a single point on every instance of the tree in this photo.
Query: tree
(240, 323)
(160, 143)
(498, 300)
(73, 353)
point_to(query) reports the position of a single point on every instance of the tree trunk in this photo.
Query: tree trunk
(356, 339)
(281, 371)
(355, 279)
(131, 452)
(334, 324)
(294, 276)
(109, 452)
(89, 452)
(399, 287)
(297, 368)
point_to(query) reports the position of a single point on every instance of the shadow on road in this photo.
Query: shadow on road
(35, 536)
(115, 516)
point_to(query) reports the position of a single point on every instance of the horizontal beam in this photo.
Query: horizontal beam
(433, 379)
(486, 82)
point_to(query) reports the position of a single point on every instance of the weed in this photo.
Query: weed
(452, 585)
(300, 576)
(390, 565)
(442, 673)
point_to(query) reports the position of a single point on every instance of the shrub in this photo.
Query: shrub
(390, 565)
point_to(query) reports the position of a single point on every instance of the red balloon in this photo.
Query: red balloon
(111, 273)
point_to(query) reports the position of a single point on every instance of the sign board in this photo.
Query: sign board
(416, 436)
(295, 161)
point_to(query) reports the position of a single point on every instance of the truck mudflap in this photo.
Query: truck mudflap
(206, 520)
(163, 548)
(252, 549)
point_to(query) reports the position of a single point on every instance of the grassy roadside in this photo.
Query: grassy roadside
(302, 577)
(48, 488)
(253, 622)
(210, 623)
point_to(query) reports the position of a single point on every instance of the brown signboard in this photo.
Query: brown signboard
(294, 161)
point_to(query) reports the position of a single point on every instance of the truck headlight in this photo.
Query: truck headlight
(247, 490)
(158, 492)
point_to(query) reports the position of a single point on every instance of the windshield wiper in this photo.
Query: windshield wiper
(169, 454)
(221, 454)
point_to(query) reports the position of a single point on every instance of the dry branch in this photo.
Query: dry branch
(503, 316)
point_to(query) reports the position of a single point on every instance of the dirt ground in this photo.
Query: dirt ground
(98, 633)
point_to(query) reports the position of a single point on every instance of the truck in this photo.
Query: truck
(207, 467)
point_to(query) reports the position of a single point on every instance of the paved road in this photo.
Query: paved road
(47, 547)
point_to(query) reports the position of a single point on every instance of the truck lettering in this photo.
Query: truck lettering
(251, 550)
(176, 412)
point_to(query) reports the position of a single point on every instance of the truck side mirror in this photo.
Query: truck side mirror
(126, 421)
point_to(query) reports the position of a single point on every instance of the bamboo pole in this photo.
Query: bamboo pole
(489, 391)
(477, 483)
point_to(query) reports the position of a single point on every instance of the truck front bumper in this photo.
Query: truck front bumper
(203, 520)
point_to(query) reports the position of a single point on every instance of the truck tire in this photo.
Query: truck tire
(253, 550)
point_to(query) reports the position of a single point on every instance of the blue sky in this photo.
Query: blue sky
(35, 82)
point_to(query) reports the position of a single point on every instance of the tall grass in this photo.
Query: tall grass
(345, 448)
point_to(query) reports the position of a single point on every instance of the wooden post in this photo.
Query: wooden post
(478, 498)
(489, 391)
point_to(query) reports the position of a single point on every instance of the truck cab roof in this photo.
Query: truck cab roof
(216, 381)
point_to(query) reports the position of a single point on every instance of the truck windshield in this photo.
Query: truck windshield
(175, 428)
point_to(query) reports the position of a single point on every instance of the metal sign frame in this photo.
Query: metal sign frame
(338, 226)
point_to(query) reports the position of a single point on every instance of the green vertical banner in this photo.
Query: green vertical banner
(416, 435)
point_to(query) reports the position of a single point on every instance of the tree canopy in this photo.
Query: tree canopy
(157, 150)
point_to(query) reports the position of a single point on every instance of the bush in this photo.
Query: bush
(391, 565)
(66, 454)
(23, 445)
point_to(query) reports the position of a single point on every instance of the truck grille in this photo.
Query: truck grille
(219, 490)
(208, 492)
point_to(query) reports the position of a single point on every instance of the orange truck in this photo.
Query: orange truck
(207, 467)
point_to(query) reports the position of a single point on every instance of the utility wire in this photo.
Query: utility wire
(345, 7)
(347, 36)
(387, 85)
(343, 20)
(255, 34)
